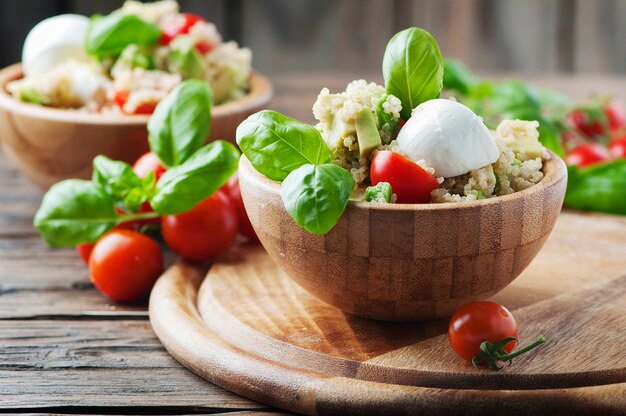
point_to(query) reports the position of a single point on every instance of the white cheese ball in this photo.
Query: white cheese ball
(448, 137)
(53, 41)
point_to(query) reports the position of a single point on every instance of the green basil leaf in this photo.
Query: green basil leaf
(413, 68)
(316, 196)
(381, 192)
(181, 122)
(184, 59)
(513, 95)
(457, 77)
(598, 188)
(276, 145)
(75, 211)
(182, 187)
(109, 35)
(114, 176)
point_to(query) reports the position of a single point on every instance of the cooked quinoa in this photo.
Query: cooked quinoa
(337, 113)
(513, 171)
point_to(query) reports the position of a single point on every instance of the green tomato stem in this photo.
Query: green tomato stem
(521, 351)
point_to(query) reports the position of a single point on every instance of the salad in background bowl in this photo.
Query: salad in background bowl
(88, 86)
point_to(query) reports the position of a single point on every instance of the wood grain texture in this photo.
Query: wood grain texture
(405, 262)
(252, 330)
(48, 145)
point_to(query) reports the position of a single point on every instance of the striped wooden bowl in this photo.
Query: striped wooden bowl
(408, 261)
(49, 145)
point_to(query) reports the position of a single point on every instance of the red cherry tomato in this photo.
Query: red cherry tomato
(582, 121)
(206, 231)
(615, 114)
(231, 189)
(124, 265)
(587, 154)
(409, 181)
(617, 147)
(149, 162)
(178, 25)
(84, 251)
(121, 98)
(477, 322)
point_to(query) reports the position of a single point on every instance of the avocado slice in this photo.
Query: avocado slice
(526, 144)
(366, 132)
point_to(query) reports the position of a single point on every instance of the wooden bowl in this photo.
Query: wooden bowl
(49, 144)
(400, 262)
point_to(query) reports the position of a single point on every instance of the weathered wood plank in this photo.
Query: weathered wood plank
(106, 363)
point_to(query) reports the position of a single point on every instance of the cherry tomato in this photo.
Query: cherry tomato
(178, 25)
(121, 98)
(206, 231)
(617, 147)
(231, 189)
(149, 162)
(582, 121)
(84, 251)
(615, 114)
(477, 322)
(587, 154)
(409, 181)
(125, 264)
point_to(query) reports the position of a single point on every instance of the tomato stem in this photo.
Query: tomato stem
(494, 352)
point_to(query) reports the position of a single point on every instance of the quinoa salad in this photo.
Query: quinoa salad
(128, 61)
(518, 166)
(398, 143)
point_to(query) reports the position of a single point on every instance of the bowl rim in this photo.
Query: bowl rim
(259, 94)
(554, 170)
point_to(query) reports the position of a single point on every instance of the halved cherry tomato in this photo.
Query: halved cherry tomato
(206, 231)
(178, 25)
(584, 123)
(615, 114)
(408, 180)
(587, 154)
(477, 322)
(84, 251)
(231, 189)
(149, 162)
(125, 264)
(617, 147)
(121, 98)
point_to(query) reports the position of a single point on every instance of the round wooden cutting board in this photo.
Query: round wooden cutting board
(250, 329)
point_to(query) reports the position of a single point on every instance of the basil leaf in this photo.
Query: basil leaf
(276, 145)
(513, 95)
(181, 122)
(598, 188)
(381, 192)
(184, 59)
(316, 196)
(75, 211)
(114, 176)
(182, 187)
(109, 35)
(457, 77)
(413, 68)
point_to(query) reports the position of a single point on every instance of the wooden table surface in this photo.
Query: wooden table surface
(64, 348)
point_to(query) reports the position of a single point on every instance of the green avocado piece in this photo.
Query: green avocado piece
(366, 132)
(379, 193)
(527, 145)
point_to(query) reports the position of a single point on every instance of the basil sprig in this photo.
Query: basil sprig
(77, 211)
(599, 187)
(316, 196)
(181, 123)
(276, 145)
(109, 35)
(182, 187)
(413, 68)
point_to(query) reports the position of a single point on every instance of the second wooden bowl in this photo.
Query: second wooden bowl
(402, 262)
(49, 145)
